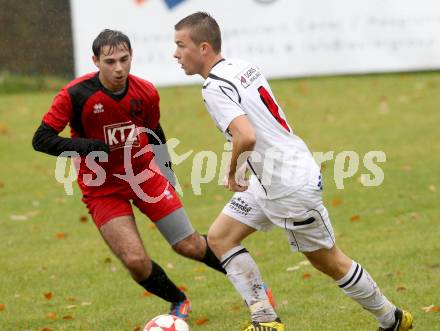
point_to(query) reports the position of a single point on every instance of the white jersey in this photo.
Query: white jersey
(281, 163)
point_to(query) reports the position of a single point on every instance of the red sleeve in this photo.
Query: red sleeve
(60, 111)
(154, 114)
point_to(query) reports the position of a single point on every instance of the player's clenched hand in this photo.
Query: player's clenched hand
(233, 186)
(97, 145)
(85, 145)
(236, 182)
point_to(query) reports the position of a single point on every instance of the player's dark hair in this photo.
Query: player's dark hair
(110, 38)
(203, 28)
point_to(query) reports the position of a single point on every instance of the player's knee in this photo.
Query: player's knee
(331, 267)
(319, 265)
(138, 264)
(192, 247)
(213, 240)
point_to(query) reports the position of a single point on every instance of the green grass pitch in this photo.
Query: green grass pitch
(57, 274)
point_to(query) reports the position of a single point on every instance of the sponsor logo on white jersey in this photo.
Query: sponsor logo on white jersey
(98, 108)
(248, 76)
(120, 135)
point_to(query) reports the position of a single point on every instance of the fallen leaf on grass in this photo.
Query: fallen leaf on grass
(24, 217)
(83, 219)
(355, 218)
(403, 99)
(48, 295)
(383, 107)
(259, 253)
(201, 321)
(236, 308)
(61, 235)
(329, 118)
(51, 316)
(306, 276)
(46, 329)
(336, 202)
(19, 218)
(431, 309)
(401, 288)
(379, 211)
(67, 317)
(138, 328)
(3, 129)
(415, 216)
(200, 269)
(2, 306)
(299, 265)
(32, 213)
(406, 168)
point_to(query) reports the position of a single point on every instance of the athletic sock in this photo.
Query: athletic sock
(159, 284)
(243, 273)
(211, 260)
(359, 286)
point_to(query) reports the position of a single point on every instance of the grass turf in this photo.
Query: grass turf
(57, 273)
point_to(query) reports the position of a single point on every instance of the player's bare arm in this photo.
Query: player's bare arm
(243, 142)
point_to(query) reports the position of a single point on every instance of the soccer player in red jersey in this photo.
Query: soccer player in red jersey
(113, 116)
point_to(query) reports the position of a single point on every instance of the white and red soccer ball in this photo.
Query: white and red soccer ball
(166, 323)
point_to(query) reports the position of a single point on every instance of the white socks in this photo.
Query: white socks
(359, 286)
(243, 273)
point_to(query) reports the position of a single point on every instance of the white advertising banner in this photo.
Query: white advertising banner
(285, 38)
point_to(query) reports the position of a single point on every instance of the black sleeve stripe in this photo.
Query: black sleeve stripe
(79, 94)
(258, 177)
(226, 81)
(222, 88)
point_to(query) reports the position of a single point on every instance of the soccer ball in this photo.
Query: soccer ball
(166, 323)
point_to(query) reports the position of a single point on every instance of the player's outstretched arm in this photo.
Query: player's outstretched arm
(47, 140)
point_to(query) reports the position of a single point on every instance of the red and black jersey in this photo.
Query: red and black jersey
(94, 112)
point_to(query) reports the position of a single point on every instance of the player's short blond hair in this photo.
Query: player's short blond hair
(203, 28)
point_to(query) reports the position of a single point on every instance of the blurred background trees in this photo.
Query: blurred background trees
(36, 38)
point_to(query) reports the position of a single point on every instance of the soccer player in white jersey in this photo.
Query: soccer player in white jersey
(285, 187)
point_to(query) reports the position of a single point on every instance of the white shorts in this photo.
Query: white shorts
(301, 214)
